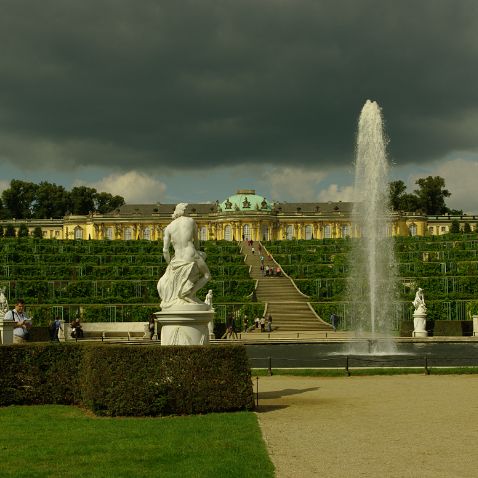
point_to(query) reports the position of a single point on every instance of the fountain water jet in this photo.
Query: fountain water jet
(372, 281)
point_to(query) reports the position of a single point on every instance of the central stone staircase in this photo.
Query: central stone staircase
(289, 308)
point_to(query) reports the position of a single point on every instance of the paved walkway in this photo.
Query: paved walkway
(389, 427)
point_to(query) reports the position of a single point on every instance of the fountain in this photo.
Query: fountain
(371, 286)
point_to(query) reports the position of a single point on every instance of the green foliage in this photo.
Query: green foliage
(128, 381)
(10, 231)
(429, 197)
(212, 445)
(467, 228)
(23, 230)
(25, 200)
(455, 227)
(37, 233)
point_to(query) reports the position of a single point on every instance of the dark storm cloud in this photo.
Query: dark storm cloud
(182, 83)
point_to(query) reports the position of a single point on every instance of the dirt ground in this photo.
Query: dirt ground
(385, 426)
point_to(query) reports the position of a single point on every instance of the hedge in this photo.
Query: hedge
(133, 380)
(440, 328)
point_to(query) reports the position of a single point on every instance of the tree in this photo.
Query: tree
(50, 201)
(37, 233)
(455, 227)
(105, 202)
(9, 231)
(431, 194)
(1, 231)
(82, 200)
(23, 231)
(467, 228)
(18, 199)
(399, 201)
(397, 189)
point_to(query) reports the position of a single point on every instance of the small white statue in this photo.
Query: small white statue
(419, 302)
(208, 299)
(3, 302)
(187, 271)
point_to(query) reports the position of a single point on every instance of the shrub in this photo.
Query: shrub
(132, 380)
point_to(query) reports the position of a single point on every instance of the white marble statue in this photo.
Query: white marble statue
(187, 271)
(208, 299)
(3, 302)
(419, 302)
(419, 315)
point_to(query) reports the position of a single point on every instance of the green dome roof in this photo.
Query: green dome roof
(245, 200)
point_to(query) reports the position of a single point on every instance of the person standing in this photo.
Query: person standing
(23, 324)
(257, 322)
(263, 324)
(55, 329)
(269, 323)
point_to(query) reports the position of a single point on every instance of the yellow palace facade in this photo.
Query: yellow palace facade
(244, 215)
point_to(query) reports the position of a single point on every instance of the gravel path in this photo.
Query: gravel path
(384, 426)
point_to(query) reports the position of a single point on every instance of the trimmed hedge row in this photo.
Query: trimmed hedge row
(132, 380)
(440, 328)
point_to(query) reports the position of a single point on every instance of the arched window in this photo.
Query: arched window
(128, 234)
(228, 233)
(308, 232)
(264, 232)
(327, 231)
(147, 234)
(203, 233)
(345, 230)
(78, 233)
(109, 233)
(412, 229)
(246, 231)
(289, 232)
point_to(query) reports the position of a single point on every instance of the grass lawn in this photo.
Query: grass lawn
(340, 372)
(63, 441)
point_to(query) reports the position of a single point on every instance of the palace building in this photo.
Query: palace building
(244, 215)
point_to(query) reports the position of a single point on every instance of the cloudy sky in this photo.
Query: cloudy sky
(190, 100)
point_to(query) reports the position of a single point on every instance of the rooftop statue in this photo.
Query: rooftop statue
(187, 271)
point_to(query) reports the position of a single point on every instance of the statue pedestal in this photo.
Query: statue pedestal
(419, 323)
(186, 326)
(6, 331)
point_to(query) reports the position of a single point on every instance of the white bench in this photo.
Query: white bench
(110, 330)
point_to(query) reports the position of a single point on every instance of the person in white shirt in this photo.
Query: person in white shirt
(23, 324)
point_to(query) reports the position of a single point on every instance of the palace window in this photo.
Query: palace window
(289, 232)
(412, 229)
(203, 233)
(327, 231)
(264, 232)
(78, 233)
(128, 234)
(246, 231)
(228, 233)
(147, 234)
(109, 233)
(309, 232)
(345, 230)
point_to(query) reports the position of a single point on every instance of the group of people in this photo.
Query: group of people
(271, 271)
(264, 323)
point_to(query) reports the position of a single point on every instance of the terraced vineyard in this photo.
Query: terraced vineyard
(111, 280)
(446, 267)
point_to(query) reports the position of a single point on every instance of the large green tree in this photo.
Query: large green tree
(105, 202)
(431, 194)
(428, 198)
(82, 200)
(51, 200)
(18, 199)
